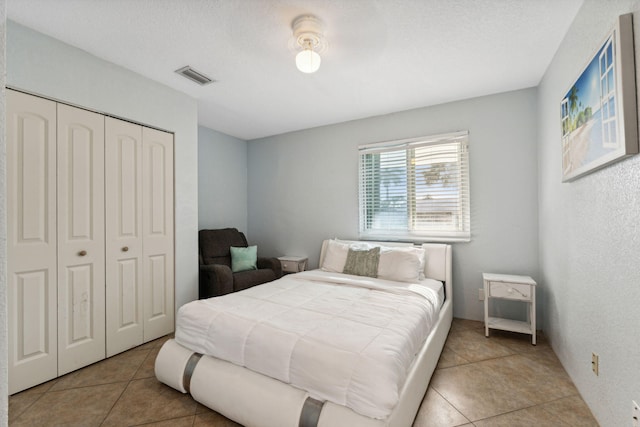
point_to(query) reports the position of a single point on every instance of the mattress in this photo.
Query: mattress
(344, 339)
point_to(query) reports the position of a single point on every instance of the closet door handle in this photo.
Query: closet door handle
(82, 253)
(125, 248)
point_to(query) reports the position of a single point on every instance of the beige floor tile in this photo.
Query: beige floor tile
(144, 347)
(147, 369)
(494, 381)
(39, 389)
(474, 346)
(85, 406)
(213, 419)
(463, 324)
(152, 344)
(572, 410)
(529, 417)
(201, 409)
(476, 392)
(545, 356)
(518, 343)
(121, 367)
(173, 422)
(449, 358)
(531, 379)
(21, 402)
(147, 400)
(437, 412)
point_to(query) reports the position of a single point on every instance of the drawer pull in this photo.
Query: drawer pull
(82, 253)
(125, 248)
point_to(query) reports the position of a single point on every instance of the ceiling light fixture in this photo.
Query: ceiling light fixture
(194, 75)
(309, 41)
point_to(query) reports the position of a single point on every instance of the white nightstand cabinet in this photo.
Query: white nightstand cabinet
(510, 287)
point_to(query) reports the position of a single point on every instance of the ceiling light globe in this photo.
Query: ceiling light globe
(308, 61)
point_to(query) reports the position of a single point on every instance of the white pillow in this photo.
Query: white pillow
(399, 263)
(422, 256)
(400, 266)
(335, 256)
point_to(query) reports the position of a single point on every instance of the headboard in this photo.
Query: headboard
(438, 260)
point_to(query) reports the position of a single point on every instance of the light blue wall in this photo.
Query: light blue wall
(590, 239)
(222, 180)
(303, 186)
(42, 65)
(3, 226)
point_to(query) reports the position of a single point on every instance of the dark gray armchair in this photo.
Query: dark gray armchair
(216, 277)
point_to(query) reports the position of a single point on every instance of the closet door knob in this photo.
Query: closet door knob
(82, 253)
(125, 248)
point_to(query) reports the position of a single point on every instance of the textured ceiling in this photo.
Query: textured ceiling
(383, 55)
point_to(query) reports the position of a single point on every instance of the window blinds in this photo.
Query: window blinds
(416, 189)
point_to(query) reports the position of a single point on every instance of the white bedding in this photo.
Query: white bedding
(346, 339)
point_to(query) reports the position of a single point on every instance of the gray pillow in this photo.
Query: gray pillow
(362, 263)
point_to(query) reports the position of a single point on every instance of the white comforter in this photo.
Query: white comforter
(342, 338)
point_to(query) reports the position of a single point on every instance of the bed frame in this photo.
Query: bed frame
(255, 400)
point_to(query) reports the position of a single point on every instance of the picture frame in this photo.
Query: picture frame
(598, 113)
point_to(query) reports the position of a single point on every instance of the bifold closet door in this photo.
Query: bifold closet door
(31, 240)
(157, 224)
(81, 259)
(123, 188)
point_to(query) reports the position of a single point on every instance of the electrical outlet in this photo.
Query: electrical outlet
(481, 294)
(595, 363)
(635, 414)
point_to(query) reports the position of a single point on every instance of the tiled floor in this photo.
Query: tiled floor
(500, 381)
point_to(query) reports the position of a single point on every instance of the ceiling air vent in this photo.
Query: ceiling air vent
(194, 75)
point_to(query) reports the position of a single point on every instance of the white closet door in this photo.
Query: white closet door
(81, 260)
(157, 224)
(123, 188)
(31, 240)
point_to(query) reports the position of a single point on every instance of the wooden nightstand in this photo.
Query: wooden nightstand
(510, 287)
(293, 264)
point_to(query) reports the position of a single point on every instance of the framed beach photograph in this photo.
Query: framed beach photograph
(598, 112)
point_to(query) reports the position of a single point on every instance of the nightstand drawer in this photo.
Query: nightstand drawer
(293, 264)
(289, 266)
(517, 291)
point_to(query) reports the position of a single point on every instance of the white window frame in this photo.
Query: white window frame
(607, 95)
(565, 117)
(566, 126)
(456, 230)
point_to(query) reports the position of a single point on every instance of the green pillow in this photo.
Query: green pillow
(362, 263)
(243, 259)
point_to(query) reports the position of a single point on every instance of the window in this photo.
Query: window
(565, 117)
(416, 189)
(608, 96)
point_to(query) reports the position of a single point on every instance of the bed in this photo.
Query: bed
(217, 356)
